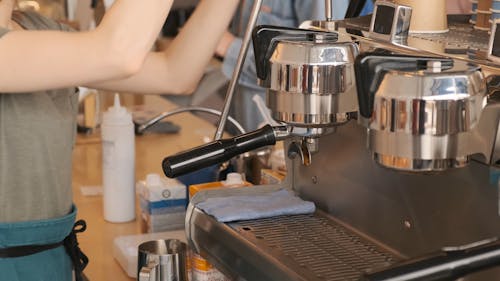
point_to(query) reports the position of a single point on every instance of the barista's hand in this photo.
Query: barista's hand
(224, 43)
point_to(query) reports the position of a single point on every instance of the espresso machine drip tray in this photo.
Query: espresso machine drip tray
(299, 247)
(319, 247)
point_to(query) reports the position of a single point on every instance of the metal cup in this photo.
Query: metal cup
(162, 260)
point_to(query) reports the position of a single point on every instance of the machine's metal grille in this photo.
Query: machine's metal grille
(317, 245)
(460, 37)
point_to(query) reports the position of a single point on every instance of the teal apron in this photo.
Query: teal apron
(40, 250)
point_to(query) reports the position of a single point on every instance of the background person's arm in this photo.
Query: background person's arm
(178, 69)
(41, 60)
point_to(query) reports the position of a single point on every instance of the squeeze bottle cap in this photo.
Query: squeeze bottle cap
(117, 114)
(233, 179)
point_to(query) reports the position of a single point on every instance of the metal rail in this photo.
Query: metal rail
(237, 70)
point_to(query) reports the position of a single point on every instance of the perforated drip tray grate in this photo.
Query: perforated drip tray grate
(460, 36)
(315, 246)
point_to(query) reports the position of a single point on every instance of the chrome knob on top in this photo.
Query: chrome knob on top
(420, 112)
(329, 10)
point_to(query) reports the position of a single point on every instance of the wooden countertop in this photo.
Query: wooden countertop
(97, 241)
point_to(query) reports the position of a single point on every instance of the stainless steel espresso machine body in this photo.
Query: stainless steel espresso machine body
(310, 82)
(407, 190)
(422, 114)
(311, 90)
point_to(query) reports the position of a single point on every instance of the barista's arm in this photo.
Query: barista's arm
(39, 60)
(179, 68)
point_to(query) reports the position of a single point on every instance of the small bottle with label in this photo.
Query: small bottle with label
(118, 164)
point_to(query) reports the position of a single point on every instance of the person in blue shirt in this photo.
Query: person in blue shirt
(367, 8)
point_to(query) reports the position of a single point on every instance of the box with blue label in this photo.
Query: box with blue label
(163, 203)
(163, 206)
(162, 222)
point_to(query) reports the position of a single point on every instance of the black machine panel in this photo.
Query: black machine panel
(495, 51)
(384, 19)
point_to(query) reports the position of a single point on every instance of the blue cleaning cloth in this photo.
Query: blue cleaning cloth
(249, 207)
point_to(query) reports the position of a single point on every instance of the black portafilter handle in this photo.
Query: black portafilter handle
(217, 152)
(446, 265)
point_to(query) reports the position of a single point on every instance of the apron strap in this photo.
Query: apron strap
(79, 259)
(21, 251)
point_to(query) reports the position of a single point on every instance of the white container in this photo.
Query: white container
(234, 180)
(161, 196)
(118, 164)
(163, 203)
(156, 188)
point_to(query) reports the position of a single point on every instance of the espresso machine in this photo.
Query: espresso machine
(405, 182)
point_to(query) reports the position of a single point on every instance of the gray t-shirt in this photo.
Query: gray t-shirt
(37, 133)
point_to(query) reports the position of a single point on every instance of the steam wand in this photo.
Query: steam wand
(237, 70)
(141, 128)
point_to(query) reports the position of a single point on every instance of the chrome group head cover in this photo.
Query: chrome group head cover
(419, 112)
(309, 76)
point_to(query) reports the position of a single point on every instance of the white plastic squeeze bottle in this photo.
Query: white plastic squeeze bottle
(118, 163)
